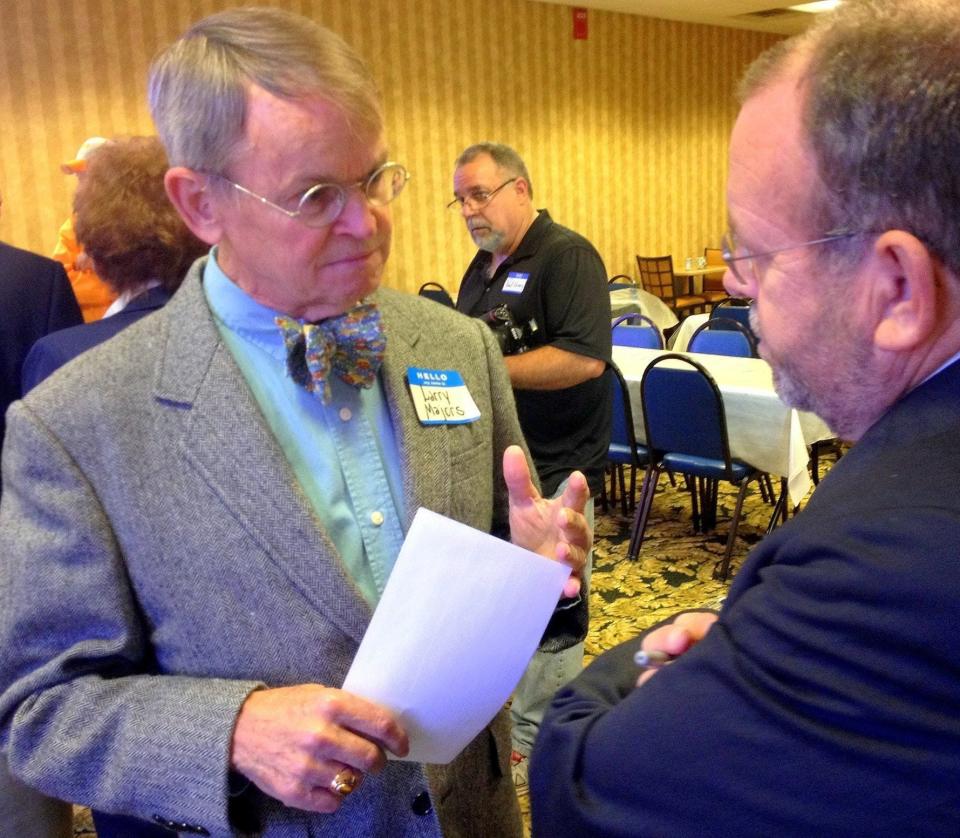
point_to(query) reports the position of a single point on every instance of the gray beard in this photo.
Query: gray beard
(489, 242)
(844, 398)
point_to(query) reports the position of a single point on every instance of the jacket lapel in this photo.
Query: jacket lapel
(226, 441)
(424, 450)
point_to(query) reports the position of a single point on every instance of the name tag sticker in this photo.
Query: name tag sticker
(515, 282)
(440, 397)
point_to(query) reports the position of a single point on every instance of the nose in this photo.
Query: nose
(358, 217)
(737, 286)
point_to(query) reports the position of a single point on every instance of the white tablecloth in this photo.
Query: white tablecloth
(680, 339)
(638, 301)
(763, 431)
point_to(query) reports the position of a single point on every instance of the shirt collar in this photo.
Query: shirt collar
(529, 245)
(235, 309)
(128, 296)
(532, 239)
(941, 368)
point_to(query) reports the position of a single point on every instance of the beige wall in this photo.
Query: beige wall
(625, 134)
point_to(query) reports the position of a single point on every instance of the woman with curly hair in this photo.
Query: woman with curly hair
(137, 241)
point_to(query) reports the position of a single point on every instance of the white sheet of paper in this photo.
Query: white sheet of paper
(459, 620)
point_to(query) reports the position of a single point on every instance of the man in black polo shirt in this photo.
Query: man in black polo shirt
(555, 332)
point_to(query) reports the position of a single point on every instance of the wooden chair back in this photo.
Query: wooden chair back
(657, 277)
(713, 285)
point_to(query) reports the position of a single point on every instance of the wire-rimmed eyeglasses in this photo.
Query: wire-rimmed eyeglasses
(732, 252)
(322, 204)
(478, 198)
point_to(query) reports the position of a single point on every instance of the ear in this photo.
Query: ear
(904, 290)
(189, 192)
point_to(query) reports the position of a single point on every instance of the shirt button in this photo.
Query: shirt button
(421, 804)
(345, 414)
(376, 518)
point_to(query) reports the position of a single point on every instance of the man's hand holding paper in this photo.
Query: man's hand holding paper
(294, 742)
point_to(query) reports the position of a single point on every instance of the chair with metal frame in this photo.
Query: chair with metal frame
(740, 307)
(818, 449)
(722, 336)
(619, 282)
(657, 277)
(646, 335)
(687, 432)
(735, 308)
(624, 449)
(436, 292)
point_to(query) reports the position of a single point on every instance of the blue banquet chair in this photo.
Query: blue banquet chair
(735, 308)
(436, 292)
(636, 330)
(624, 449)
(722, 336)
(687, 433)
(619, 282)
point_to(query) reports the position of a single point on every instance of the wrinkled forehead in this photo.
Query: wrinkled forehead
(480, 173)
(282, 131)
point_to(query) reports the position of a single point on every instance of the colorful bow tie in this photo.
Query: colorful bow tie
(350, 345)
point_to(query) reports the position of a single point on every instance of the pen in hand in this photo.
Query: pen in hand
(652, 659)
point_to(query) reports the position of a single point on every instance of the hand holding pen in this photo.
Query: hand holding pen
(669, 641)
(653, 659)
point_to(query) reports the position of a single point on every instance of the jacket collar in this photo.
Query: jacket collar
(224, 438)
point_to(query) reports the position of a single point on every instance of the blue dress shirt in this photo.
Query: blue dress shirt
(343, 454)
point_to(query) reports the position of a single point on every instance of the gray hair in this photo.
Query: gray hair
(882, 116)
(504, 156)
(198, 85)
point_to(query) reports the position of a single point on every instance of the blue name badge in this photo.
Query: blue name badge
(440, 397)
(515, 282)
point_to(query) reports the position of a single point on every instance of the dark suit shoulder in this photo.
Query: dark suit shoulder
(54, 350)
(16, 259)
(107, 361)
(35, 299)
(35, 287)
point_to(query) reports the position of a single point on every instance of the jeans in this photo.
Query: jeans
(26, 813)
(546, 673)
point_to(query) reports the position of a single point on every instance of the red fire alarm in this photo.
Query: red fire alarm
(579, 24)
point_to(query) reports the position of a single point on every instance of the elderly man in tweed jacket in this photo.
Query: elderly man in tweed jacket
(194, 535)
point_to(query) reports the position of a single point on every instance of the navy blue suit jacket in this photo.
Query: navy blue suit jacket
(824, 701)
(53, 351)
(35, 299)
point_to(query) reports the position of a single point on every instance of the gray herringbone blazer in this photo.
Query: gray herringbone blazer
(160, 561)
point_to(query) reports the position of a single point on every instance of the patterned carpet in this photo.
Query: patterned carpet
(82, 824)
(674, 572)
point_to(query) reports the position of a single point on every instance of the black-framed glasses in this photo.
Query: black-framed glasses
(322, 204)
(478, 198)
(732, 252)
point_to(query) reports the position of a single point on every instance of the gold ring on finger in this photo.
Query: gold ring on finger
(344, 781)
